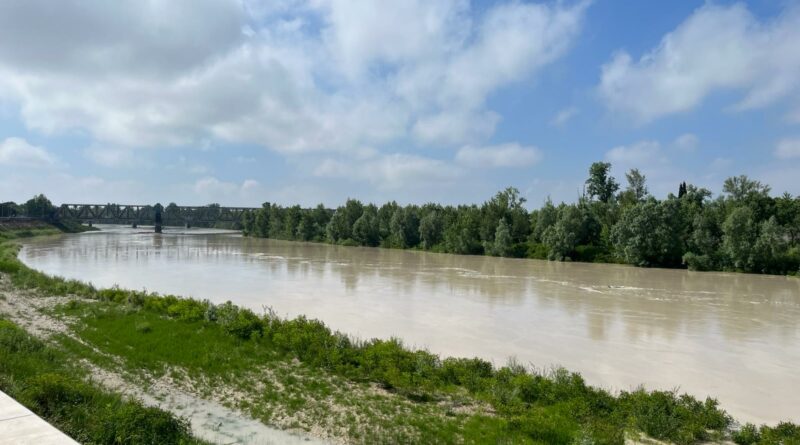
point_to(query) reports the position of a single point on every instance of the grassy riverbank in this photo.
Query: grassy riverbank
(298, 374)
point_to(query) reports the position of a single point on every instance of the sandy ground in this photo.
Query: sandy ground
(209, 419)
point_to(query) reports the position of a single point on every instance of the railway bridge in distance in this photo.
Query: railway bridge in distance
(157, 215)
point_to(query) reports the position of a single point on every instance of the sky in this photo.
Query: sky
(306, 101)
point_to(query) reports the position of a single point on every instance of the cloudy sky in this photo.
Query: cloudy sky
(307, 101)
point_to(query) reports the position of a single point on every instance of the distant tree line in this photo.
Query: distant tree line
(744, 229)
(37, 207)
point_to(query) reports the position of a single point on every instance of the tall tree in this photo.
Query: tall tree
(637, 186)
(741, 187)
(601, 184)
(431, 229)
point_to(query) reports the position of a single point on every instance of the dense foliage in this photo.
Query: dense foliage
(37, 207)
(744, 229)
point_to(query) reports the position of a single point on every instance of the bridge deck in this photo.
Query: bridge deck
(18, 425)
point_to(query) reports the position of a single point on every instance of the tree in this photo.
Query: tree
(506, 204)
(39, 207)
(739, 236)
(705, 239)
(742, 187)
(636, 184)
(647, 235)
(337, 229)
(562, 237)
(601, 184)
(8, 209)
(261, 223)
(365, 229)
(430, 229)
(545, 217)
(770, 246)
(502, 239)
(463, 235)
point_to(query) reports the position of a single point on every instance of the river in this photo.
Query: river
(732, 336)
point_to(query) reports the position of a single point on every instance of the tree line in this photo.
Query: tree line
(37, 207)
(743, 229)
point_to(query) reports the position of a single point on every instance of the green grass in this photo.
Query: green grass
(45, 380)
(291, 372)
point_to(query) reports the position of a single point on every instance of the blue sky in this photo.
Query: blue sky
(307, 101)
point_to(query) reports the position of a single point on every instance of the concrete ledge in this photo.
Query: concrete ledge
(19, 426)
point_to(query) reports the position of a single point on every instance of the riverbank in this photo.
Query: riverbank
(297, 374)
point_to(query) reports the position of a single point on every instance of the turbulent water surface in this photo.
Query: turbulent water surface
(732, 336)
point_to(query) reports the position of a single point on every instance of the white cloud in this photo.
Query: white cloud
(393, 171)
(504, 155)
(788, 148)
(563, 116)
(213, 186)
(250, 184)
(18, 152)
(686, 142)
(454, 128)
(720, 164)
(211, 189)
(110, 157)
(717, 48)
(194, 73)
(640, 153)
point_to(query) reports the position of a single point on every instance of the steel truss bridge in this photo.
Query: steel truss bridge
(171, 215)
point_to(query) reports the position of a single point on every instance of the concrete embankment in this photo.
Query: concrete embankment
(19, 426)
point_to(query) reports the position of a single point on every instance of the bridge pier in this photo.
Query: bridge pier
(158, 227)
(188, 225)
(134, 225)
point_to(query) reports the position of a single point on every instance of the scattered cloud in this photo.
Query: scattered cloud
(18, 152)
(110, 157)
(788, 148)
(212, 186)
(715, 49)
(686, 142)
(639, 154)
(721, 164)
(393, 171)
(211, 189)
(455, 128)
(250, 184)
(563, 116)
(362, 75)
(504, 155)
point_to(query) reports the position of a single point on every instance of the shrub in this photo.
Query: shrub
(665, 415)
(240, 322)
(471, 373)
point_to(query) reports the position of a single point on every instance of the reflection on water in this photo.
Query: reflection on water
(733, 336)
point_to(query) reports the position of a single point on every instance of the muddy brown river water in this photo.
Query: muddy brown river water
(732, 336)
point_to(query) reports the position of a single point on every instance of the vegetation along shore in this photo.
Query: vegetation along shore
(104, 365)
(744, 229)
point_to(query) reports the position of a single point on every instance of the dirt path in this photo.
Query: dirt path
(209, 420)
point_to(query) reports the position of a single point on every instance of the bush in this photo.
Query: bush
(240, 322)
(699, 262)
(188, 310)
(471, 373)
(538, 251)
(665, 415)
